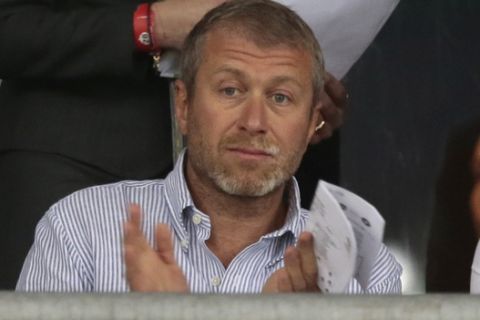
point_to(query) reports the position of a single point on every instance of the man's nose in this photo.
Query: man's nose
(253, 116)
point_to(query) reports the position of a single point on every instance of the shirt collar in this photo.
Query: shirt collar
(179, 198)
(296, 217)
(176, 188)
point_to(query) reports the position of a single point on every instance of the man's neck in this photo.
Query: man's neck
(237, 222)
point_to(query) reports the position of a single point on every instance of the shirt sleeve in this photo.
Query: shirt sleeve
(344, 28)
(475, 275)
(386, 273)
(53, 263)
(384, 277)
(42, 39)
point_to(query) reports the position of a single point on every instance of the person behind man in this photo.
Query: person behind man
(228, 216)
(475, 208)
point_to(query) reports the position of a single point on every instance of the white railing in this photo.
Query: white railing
(243, 307)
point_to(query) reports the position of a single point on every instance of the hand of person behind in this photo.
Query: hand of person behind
(334, 101)
(173, 19)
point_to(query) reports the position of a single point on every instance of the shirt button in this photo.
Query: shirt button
(216, 281)
(184, 243)
(197, 218)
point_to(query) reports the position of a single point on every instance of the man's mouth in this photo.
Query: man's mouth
(252, 153)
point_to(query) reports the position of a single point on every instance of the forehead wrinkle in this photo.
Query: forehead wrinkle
(231, 70)
(215, 36)
(273, 52)
(270, 57)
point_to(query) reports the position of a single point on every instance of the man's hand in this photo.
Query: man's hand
(334, 102)
(149, 270)
(300, 271)
(173, 19)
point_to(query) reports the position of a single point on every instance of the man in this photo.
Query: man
(80, 103)
(228, 216)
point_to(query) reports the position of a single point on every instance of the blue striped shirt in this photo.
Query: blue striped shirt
(79, 242)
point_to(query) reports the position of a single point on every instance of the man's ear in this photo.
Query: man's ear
(315, 120)
(181, 106)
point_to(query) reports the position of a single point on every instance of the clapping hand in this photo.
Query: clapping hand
(150, 270)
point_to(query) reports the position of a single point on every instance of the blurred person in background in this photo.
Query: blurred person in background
(475, 206)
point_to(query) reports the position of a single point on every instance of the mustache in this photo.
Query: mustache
(247, 142)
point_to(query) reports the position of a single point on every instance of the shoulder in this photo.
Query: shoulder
(104, 203)
(102, 196)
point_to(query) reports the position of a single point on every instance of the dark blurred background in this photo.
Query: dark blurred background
(413, 118)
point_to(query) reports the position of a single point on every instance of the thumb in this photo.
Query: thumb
(278, 282)
(165, 248)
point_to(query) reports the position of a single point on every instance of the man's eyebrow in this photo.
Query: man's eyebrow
(276, 80)
(228, 69)
(284, 79)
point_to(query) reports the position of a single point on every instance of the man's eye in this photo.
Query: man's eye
(230, 91)
(280, 98)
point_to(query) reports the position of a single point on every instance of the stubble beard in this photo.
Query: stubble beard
(246, 179)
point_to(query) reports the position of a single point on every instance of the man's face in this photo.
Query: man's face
(250, 118)
(475, 197)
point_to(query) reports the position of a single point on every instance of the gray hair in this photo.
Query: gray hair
(264, 22)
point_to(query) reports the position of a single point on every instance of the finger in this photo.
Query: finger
(331, 111)
(336, 91)
(134, 215)
(133, 257)
(308, 260)
(133, 234)
(164, 244)
(294, 269)
(278, 282)
(284, 284)
(136, 248)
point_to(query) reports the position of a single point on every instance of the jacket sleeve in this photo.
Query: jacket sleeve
(344, 28)
(50, 39)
